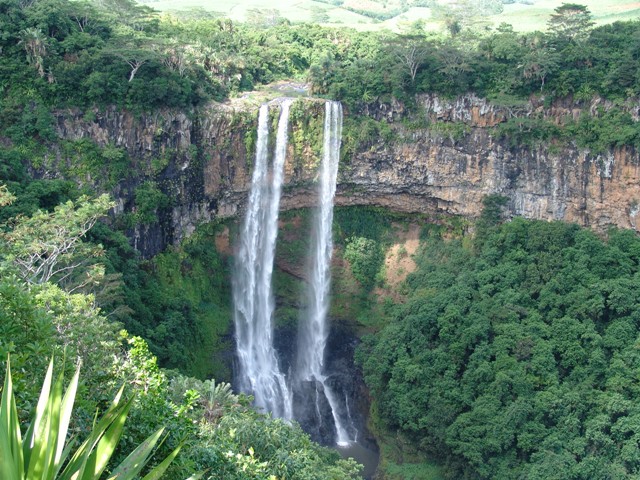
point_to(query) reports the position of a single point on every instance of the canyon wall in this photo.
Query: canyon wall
(440, 159)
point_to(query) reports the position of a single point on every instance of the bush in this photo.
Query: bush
(365, 257)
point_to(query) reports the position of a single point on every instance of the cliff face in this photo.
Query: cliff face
(445, 176)
(430, 168)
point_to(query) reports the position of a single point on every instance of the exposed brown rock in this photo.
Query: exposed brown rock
(399, 262)
(424, 171)
(223, 242)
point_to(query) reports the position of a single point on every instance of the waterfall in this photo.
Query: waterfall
(260, 373)
(313, 330)
(259, 370)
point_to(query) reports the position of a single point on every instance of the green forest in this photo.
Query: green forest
(515, 354)
(510, 353)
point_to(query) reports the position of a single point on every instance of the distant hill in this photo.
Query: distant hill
(524, 15)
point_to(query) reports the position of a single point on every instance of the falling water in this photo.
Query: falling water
(313, 329)
(252, 291)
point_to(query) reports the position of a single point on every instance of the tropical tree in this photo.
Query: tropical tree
(35, 44)
(540, 60)
(411, 52)
(48, 245)
(135, 51)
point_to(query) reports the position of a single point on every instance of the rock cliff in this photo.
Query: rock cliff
(441, 159)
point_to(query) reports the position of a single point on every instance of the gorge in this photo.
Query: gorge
(438, 161)
(436, 272)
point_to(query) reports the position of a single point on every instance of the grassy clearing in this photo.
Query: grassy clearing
(522, 17)
(534, 17)
(340, 16)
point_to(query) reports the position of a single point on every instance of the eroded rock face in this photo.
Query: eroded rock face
(422, 170)
(429, 173)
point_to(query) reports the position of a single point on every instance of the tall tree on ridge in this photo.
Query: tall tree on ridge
(570, 21)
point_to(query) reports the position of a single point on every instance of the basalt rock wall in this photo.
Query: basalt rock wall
(423, 166)
(427, 169)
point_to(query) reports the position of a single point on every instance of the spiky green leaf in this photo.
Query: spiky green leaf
(133, 464)
(37, 437)
(11, 455)
(157, 472)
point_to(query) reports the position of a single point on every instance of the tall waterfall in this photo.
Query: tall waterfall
(260, 373)
(313, 331)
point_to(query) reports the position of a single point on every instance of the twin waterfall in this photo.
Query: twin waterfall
(305, 386)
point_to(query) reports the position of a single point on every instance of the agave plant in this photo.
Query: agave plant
(44, 454)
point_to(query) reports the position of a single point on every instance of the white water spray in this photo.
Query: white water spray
(260, 373)
(314, 329)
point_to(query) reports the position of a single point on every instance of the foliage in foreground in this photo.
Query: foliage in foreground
(517, 357)
(44, 452)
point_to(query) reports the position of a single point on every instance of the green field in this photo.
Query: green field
(534, 17)
(524, 17)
